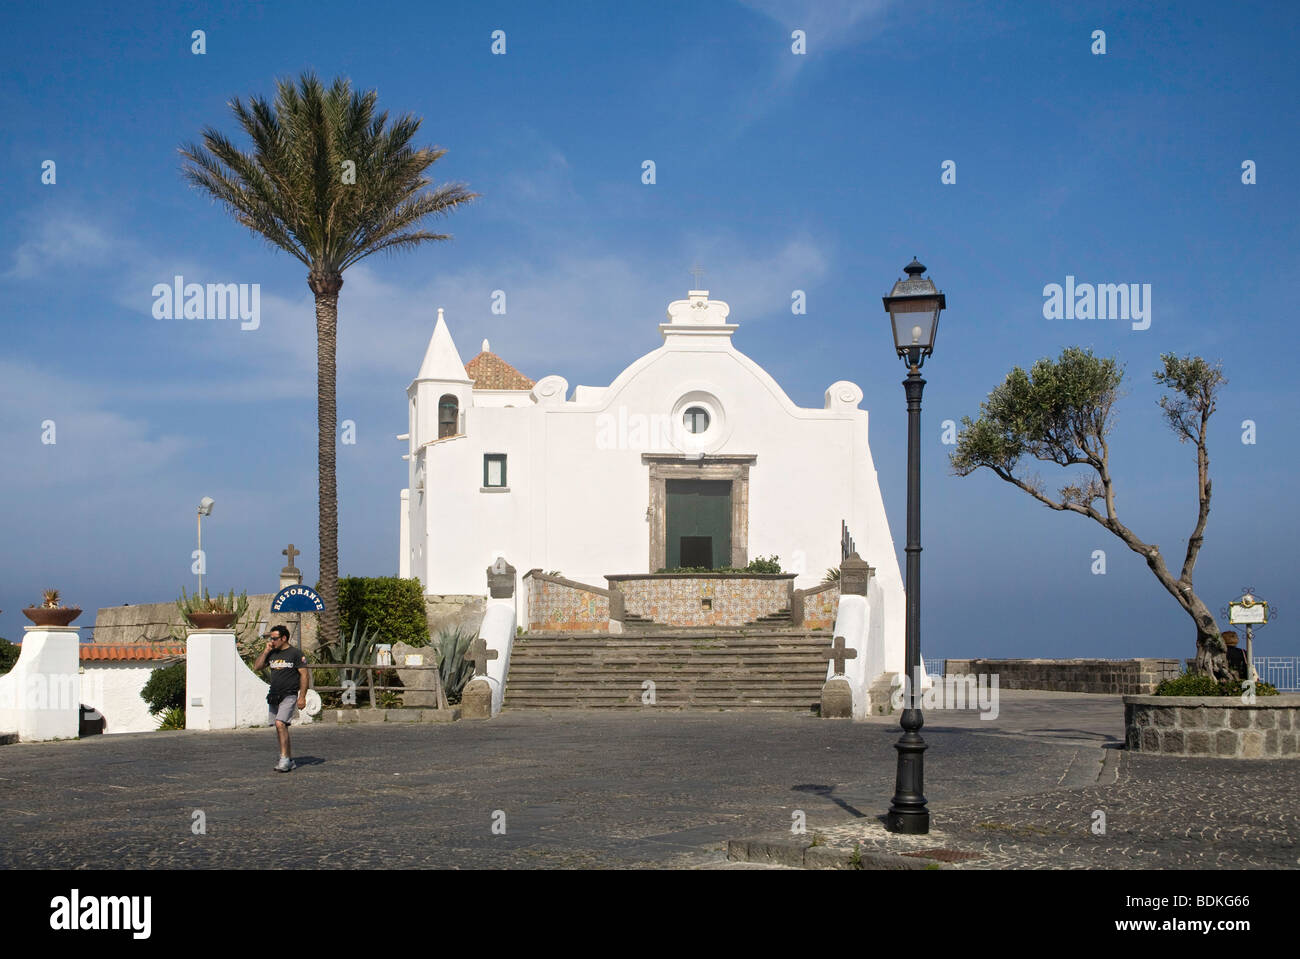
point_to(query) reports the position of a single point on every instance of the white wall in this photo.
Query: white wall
(577, 503)
(498, 632)
(221, 692)
(114, 689)
(40, 698)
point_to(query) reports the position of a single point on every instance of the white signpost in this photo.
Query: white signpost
(1249, 611)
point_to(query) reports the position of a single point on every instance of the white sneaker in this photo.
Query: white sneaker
(284, 765)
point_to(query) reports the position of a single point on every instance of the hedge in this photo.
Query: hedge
(390, 605)
(165, 688)
(8, 655)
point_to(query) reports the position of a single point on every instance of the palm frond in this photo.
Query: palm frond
(289, 186)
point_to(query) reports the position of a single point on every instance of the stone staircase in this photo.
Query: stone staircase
(691, 668)
(778, 620)
(637, 621)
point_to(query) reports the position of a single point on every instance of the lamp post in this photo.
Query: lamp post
(205, 509)
(913, 306)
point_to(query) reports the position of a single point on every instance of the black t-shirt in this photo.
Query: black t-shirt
(284, 665)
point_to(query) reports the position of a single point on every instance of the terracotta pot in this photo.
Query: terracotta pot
(52, 615)
(211, 620)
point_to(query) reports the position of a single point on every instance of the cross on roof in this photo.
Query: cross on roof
(479, 655)
(696, 271)
(291, 553)
(839, 653)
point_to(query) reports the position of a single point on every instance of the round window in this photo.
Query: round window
(696, 420)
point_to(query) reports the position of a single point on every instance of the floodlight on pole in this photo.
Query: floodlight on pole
(205, 509)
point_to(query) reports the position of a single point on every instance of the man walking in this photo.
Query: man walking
(288, 688)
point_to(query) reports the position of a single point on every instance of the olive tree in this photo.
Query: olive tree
(1061, 412)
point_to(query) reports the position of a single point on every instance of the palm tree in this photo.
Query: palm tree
(330, 181)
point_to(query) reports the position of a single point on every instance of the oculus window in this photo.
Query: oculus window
(695, 419)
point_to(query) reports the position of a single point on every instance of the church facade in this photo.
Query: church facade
(692, 457)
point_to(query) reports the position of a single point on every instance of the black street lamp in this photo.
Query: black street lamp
(914, 305)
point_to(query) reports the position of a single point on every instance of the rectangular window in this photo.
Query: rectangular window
(494, 469)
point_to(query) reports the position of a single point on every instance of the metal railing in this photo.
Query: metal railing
(371, 686)
(1280, 671)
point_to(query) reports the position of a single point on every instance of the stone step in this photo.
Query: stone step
(629, 649)
(705, 669)
(661, 703)
(722, 632)
(752, 642)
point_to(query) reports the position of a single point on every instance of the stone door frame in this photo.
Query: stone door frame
(666, 466)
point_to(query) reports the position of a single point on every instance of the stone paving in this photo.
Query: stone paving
(615, 789)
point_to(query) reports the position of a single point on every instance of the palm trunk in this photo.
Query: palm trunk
(327, 289)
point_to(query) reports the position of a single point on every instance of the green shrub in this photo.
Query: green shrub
(173, 717)
(9, 653)
(453, 667)
(1194, 684)
(391, 606)
(761, 564)
(166, 689)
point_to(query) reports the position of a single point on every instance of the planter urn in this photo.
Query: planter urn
(52, 615)
(212, 620)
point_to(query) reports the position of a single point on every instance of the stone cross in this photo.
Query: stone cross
(839, 653)
(479, 655)
(696, 271)
(291, 553)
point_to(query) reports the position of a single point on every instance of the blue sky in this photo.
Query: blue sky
(776, 171)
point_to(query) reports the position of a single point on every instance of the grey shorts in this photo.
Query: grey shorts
(284, 712)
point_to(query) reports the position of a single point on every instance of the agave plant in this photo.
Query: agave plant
(453, 667)
(355, 651)
(229, 603)
(832, 575)
(172, 718)
(51, 597)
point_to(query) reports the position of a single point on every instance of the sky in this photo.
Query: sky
(775, 171)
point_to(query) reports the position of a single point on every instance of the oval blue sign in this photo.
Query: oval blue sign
(297, 599)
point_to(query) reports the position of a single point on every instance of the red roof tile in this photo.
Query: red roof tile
(123, 652)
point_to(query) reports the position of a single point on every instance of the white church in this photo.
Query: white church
(692, 457)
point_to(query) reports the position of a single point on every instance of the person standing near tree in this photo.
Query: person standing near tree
(288, 688)
(1236, 658)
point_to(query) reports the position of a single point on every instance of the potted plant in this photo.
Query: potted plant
(50, 613)
(212, 612)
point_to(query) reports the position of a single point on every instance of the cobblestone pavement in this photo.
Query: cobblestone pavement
(615, 789)
(1162, 812)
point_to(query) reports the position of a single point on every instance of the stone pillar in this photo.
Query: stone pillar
(40, 698)
(210, 679)
(221, 692)
(837, 699)
(501, 579)
(855, 575)
(483, 695)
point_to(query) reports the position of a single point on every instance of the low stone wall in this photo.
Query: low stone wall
(819, 606)
(453, 611)
(152, 622)
(563, 605)
(705, 599)
(1219, 726)
(1131, 676)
